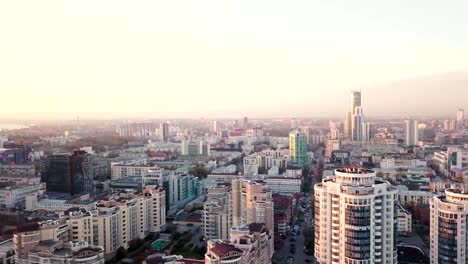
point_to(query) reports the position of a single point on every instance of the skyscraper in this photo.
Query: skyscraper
(369, 131)
(460, 118)
(449, 239)
(298, 148)
(69, 173)
(215, 126)
(347, 126)
(355, 218)
(358, 127)
(355, 101)
(411, 132)
(245, 123)
(164, 131)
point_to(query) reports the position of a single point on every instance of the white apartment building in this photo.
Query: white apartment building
(18, 170)
(217, 213)
(114, 222)
(452, 159)
(21, 179)
(405, 221)
(269, 158)
(414, 197)
(284, 185)
(7, 253)
(34, 203)
(293, 173)
(119, 171)
(355, 218)
(449, 239)
(250, 166)
(392, 163)
(14, 196)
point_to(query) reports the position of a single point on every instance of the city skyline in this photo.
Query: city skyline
(225, 59)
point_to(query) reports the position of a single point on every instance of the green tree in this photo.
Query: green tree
(200, 171)
(121, 253)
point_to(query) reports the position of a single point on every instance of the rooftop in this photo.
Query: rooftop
(6, 246)
(355, 170)
(220, 249)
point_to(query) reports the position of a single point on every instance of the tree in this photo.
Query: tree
(380, 174)
(135, 244)
(200, 171)
(262, 170)
(121, 253)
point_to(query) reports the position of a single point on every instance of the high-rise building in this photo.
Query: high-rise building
(69, 173)
(164, 131)
(217, 213)
(252, 202)
(450, 124)
(356, 120)
(358, 125)
(355, 218)
(460, 118)
(411, 133)
(369, 131)
(298, 148)
(355, 101)
(245, 123)
(347, 126)
(449, 239)
(215, 127)
(294, 123)
(307, 131)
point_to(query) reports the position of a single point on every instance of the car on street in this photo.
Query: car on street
(290, 260)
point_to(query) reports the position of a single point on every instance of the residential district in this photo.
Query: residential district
(353, 191)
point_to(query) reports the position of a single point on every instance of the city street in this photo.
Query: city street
(299, 256)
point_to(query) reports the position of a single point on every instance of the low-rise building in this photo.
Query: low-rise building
(33, 203)
(15, 196)
(132, 170)
(283, 206)
(283, 185)
(7, 253)
(405, 221)
(248, 244)
(8, 170)
(57, 252)
(20, 179)
(407, 197)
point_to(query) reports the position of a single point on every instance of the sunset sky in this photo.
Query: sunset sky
(256, 58)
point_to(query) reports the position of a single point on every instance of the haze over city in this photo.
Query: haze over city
(215, 59)
(233, 132)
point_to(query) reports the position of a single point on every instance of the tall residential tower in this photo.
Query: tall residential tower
(355, 218)
(298, 148)
(449, 236)
(411, 133)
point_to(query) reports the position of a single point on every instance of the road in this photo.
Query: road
(299, 256)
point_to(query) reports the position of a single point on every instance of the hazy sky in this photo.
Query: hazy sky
(194, 58)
